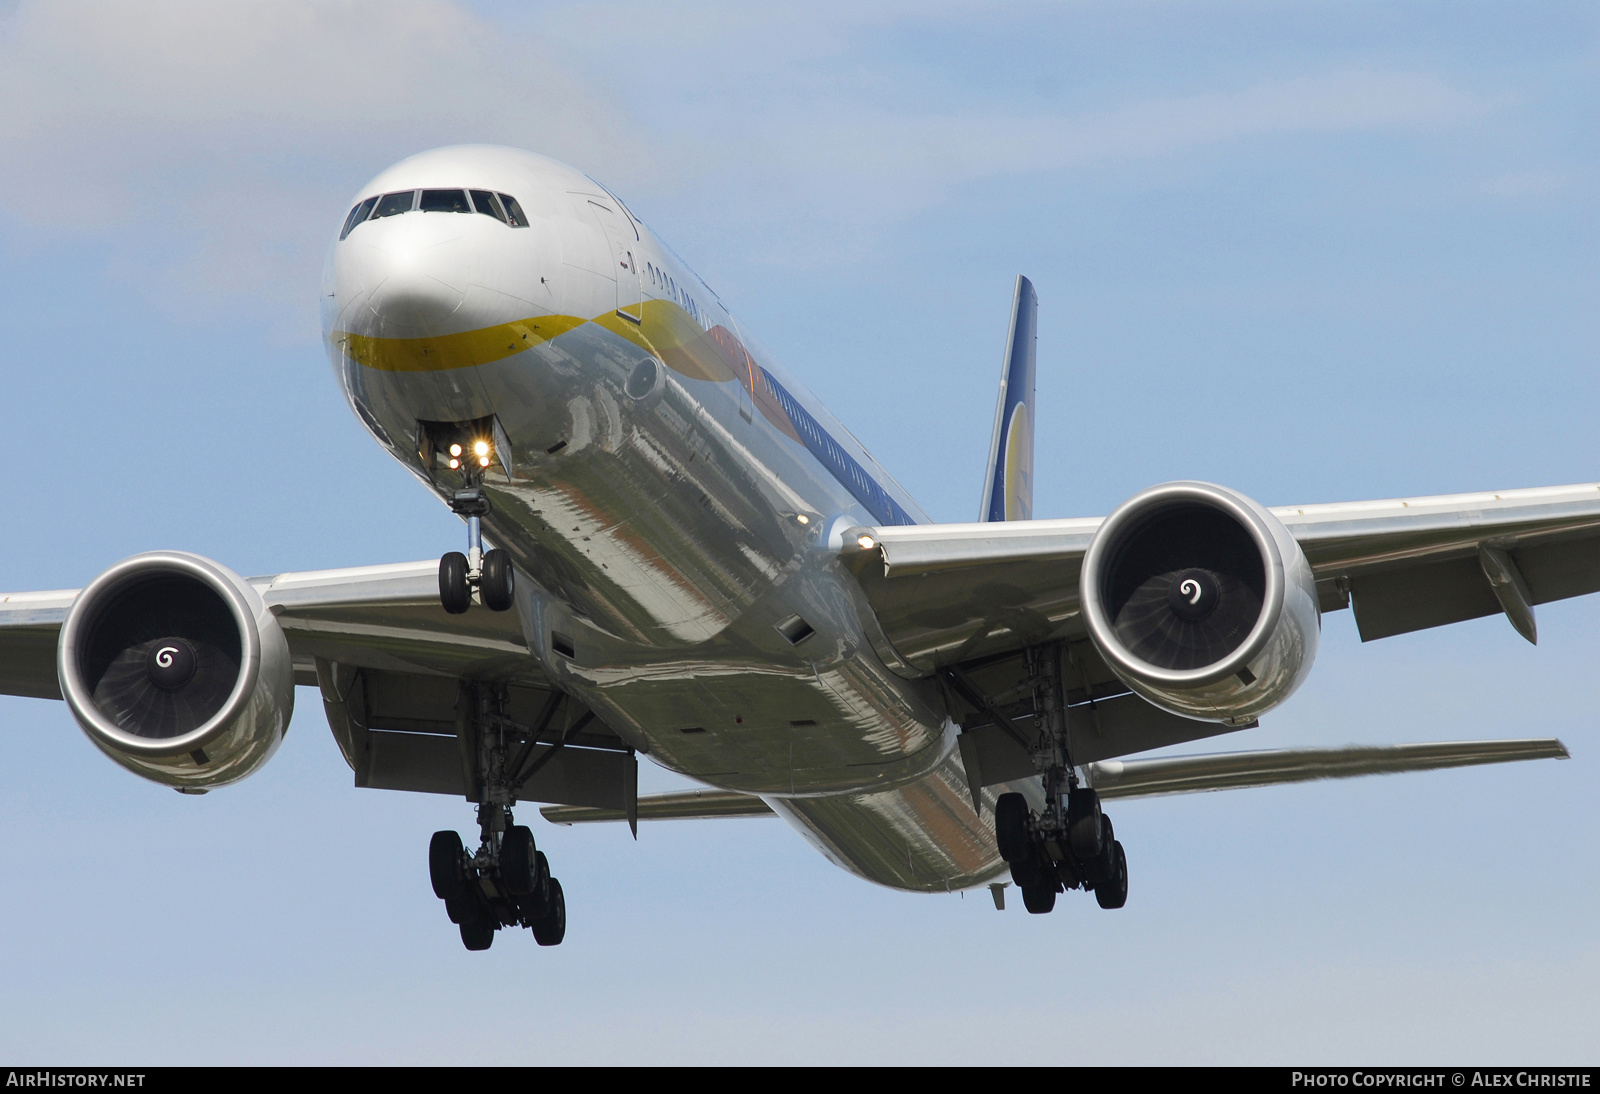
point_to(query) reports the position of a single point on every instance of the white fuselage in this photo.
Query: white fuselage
(677, 500)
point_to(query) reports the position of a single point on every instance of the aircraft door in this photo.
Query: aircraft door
(623, 241)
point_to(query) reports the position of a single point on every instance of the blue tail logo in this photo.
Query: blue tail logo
(1008, 490)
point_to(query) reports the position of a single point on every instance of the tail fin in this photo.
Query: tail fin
(1008, 490)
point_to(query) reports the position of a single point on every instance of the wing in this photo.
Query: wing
(1412, 563)
(955, 593)
(389, 663)
(962, 602)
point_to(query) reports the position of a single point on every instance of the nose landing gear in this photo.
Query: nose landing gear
(484, 577)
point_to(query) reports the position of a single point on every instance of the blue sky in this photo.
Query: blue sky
(1313, 251)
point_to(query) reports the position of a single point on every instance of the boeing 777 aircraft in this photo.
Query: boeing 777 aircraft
(673, 549)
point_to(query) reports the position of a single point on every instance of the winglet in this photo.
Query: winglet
(1008, 488)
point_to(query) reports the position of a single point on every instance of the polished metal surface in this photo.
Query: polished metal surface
(715, 568)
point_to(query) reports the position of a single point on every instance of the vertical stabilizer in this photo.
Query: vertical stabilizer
(1008, 489)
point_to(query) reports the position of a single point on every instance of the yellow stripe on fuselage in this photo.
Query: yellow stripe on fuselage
(667, 331)
(447, 351)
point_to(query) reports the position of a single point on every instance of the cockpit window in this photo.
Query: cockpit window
(514, 211)
(392, 204)
(357, 215)
(488, 204)
(503, 207)
(444, 201)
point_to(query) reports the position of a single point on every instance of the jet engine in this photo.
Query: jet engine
(176, 669)
(1202, 602)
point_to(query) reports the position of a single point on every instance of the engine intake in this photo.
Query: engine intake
(176, 669)
(1202, 602)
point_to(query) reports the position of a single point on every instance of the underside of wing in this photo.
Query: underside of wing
(389, 618)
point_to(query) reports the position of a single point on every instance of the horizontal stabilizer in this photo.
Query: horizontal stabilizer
(679, 805)
(1230, 770)
(1148, 778)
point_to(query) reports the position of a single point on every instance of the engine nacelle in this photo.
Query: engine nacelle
(176, 669)
(1202, 602)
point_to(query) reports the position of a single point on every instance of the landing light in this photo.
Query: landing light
(801, 518)
(483, 461)
(867, 543)
(481, 449)
(455, 450)
(455, 464)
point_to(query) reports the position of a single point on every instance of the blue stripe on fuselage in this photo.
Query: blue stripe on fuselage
(840, 464)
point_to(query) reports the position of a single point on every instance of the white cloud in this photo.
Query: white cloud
(226, 136)
(213, 144)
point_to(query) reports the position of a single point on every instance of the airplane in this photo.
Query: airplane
(673, 549)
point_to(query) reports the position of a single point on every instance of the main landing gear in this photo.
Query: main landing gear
(1047, 857)
(508, 885)
(485, 577)
(507, 882)
(1071, 843)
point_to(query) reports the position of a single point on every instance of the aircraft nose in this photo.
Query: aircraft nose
(403, 277)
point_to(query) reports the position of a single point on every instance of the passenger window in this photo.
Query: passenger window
(514, 211)
(391, 204)
(487, 203)
(444, 201)
(357, 215)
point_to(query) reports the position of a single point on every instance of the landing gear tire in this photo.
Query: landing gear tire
(463, 908)
(541, 882)
(477, 934)
(550, 928)
(1105, 862)
(1039, 899)
(498, 584)
(519, 868)
(1112, 891)
(1026, 872)
(444, 864)
(454, 592)
(1011, 828)
(1084, 823)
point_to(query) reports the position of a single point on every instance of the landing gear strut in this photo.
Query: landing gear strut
(1070, 844)
(507, 882)
(484, 577)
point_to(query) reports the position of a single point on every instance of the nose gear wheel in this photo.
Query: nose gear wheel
(477, 576)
